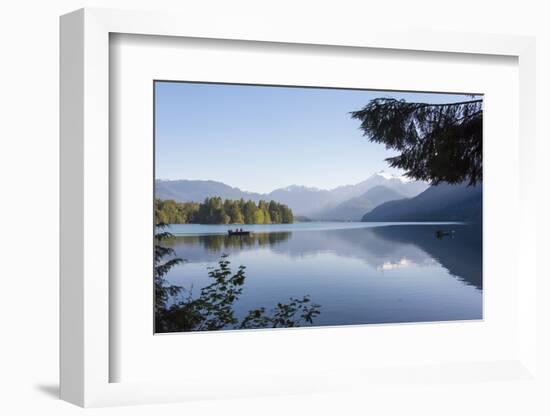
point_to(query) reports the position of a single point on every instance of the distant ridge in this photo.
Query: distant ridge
(197, 190)
(443, 202)
(303, 200)
(353, 209)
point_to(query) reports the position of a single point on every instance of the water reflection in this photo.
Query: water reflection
(226, 243)
(384, 248)
(461, 255)
(391, 273)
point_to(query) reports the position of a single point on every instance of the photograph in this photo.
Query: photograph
(300, 206)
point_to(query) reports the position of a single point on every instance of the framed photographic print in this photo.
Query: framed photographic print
(252, 233)
(268, 212)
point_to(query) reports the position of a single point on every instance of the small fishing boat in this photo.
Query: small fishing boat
(442, 233)
(238, 232)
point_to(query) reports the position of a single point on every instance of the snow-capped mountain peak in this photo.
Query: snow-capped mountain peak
(389, 176)
(296, 188)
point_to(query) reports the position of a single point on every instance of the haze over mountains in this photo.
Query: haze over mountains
(443, 202)
(344, 203)
(355, 208)
(381, 197)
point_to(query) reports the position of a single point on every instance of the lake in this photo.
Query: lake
(359, 273)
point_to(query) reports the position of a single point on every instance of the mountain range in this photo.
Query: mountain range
(443, 202)
(344, 203)
(355, 208)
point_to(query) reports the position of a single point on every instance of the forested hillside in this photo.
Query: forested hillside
(218, 211)
(302, 200)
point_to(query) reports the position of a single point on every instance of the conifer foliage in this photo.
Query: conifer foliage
(437, 142)
(179, 309)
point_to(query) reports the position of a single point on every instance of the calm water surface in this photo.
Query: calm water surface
(359, 273)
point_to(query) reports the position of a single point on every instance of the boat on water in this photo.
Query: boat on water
(444, 233)
(238, 232)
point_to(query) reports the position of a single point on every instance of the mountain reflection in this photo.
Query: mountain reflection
(384, 248)
(461, 255)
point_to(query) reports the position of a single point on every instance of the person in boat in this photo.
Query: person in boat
(441, 233)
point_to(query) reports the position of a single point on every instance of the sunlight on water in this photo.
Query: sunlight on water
(358, 272)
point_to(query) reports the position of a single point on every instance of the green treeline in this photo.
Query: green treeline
(217, 211)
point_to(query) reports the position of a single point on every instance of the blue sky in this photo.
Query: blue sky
(261, 138)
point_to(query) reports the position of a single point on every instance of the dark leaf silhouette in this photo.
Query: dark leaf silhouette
(437, 142)
(213, 309)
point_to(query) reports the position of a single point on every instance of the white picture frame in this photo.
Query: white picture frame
(85, 206)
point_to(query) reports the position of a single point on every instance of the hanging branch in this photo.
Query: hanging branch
(437, 142)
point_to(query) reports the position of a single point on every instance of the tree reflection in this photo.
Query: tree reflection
(220, 242)
(213, 308)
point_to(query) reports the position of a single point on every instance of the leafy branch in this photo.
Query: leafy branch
(213, 309)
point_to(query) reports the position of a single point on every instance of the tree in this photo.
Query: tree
(275, 213)
(264, 207)
(286, 215)
(249, 210)
(436, 142)
(237, 215)
(163, 290)
(233, 209)
(214, 210)
(258, 217)
(213, 309)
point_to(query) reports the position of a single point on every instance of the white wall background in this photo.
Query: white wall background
(29, 208)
